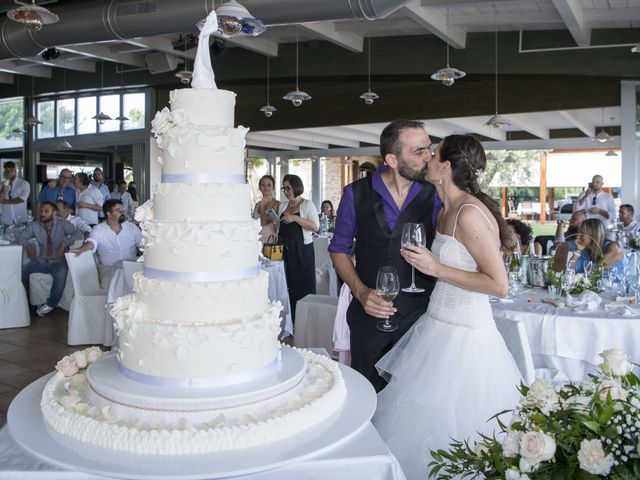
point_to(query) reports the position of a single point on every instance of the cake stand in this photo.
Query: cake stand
(30, 431)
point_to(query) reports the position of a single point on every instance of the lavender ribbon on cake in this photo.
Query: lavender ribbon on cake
(203, 76)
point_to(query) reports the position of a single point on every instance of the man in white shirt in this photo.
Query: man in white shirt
(89, 199)
(631, 226)
(115, 239)
(98, 182)
(596, 202)
(125, 197)
(13, 196)
(64, 212)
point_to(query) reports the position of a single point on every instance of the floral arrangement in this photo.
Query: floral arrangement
(583, 283)
(633, 241)
(581, 432)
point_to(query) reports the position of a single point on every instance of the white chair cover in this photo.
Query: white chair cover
(129, 268)
(341, 332)
(40, 287)
(315, 316)
(88, 319)
(14, 309)
(514, 334)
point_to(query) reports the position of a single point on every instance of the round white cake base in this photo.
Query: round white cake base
(29, 429)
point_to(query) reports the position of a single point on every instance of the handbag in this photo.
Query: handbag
(273, 249)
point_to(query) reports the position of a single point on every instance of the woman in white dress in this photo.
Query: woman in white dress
(452, 371)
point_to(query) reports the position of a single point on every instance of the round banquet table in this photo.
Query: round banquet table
(568, 341)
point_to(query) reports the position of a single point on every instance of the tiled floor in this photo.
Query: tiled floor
(28, 353)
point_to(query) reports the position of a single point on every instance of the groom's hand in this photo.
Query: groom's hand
(374, 305)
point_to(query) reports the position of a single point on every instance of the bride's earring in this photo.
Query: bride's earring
(440, 181)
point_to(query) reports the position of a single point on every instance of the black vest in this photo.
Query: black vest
(377, 245)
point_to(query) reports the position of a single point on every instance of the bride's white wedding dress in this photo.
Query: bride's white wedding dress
(448, 375)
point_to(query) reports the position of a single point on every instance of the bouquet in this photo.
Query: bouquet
(583, 283)
(582, 432)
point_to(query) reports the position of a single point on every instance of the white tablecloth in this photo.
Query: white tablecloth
(364, 456)
(326, 277)
(315, 316)
(562, 339)
(278, 291)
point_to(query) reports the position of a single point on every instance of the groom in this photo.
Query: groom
(373, 210)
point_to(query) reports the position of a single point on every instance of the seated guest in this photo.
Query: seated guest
(569, 236)
(631, 226)
(125, 197)
(62, 190)
(133, 191)
(89, 199)
(13, 196)
(326, 209)
(592, 244)
(64, 212)
(98, 182)
(115, 239)
(53, 236)
(521, 232)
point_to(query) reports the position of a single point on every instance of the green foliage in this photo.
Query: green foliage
(11, 117)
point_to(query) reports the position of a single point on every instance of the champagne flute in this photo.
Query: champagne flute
(387, 287)
(588, 268)
(568, 280)
(413, 234)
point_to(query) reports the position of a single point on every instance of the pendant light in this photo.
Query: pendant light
(32, 15)
(296, 97)
(101, 117)
(611, 152)
(268, 109)
(32, 120)
(602, 136)
(496, 121)
(235, 20)
(122, 118)
(186, 74)
(448, 75)
(369, 97)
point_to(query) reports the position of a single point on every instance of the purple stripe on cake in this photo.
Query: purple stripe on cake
(225, 275)
(202, 178)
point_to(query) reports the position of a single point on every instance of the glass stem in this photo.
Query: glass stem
(413, 277)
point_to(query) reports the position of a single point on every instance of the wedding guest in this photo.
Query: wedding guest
(63, 190)
(98, 182)
(268, 222)
(298, 221)
(64, 212)
(13, 196)
(631, 226)
(569, 236)
(373, 210)
(592, 244)
(115, 239)
(133, 191)
(326, 209)
(53, 236)
(89, 199)
(125, 197)
(521, 232)
(596, 202)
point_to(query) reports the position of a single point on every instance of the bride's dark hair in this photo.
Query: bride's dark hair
(468, 162)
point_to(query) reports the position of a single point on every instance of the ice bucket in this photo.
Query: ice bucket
(537, 271)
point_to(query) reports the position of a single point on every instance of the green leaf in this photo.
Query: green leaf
(605, 414)
(584, 475)
(593, 426)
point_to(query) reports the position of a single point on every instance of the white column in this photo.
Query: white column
(630, 145)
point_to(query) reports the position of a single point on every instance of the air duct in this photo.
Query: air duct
(99, 20)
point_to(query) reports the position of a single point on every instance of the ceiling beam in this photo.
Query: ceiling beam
(6, 77)
(435, 128)
(318, 135)
(505, 18)
(611, 14)
(434, 21)
(327, 31)
(11, 66)
(104, 52)
(267, 144)
(476, 125)
(161, 44)
(349, 135)
(255, 44)
(580, 122)
(525, 122)
(79, 65)
(289, 137)
(572, 14)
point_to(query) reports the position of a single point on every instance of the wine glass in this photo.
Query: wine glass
(588, 268)
(568, 280)
(413, 234)
(387, 287)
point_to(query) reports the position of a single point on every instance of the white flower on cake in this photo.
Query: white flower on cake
(535, 447)
(238, 135)
(79, 380)
(593, 459)
(82, 408)
(80, 357)
(616, 363)
(183, 352)
(67, 366)
(144, 211)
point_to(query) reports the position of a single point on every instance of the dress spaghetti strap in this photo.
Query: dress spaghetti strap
(455, 224)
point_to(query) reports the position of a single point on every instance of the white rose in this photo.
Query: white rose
(616, 363)
(93, 353)
(82, 408)
(613, 388)
(68, 402)
(511, 444)
(536, 447)
(78, 380)
(81, 358)
(543, 395)
(593, 459)
(513, 474)
(67, 366)
(161, 122)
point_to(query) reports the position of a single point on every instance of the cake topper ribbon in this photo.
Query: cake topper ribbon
(203, 76)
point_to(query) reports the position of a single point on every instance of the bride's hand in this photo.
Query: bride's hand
(421, 258)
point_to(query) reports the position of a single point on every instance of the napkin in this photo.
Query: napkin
(554, 301)
(585, 302)
(621, 309)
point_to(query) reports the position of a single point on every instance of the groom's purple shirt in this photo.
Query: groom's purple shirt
(346, 226)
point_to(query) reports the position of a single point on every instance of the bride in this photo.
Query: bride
(452, 371)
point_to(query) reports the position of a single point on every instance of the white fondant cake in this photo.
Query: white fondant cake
(199, 367)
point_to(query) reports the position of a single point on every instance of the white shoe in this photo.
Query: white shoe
(43, 310)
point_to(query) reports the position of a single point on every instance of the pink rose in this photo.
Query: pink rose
(67, 366)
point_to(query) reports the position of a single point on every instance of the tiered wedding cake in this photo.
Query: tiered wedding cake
(199, 367)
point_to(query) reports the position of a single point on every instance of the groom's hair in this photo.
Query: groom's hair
(390, 136)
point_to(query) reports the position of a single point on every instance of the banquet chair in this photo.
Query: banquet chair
(88, 319)
(40, 287)
(315, 316)
(129, 268)
(14, 309)
(515, 337)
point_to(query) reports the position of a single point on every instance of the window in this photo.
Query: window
(133, 107)
(45, 113)
(86, 110)
(109, 105)
(66, 117)
(11, 118)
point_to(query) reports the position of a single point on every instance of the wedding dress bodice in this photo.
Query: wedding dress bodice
(450, 303)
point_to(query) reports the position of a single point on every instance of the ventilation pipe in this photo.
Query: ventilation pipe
(98, 20)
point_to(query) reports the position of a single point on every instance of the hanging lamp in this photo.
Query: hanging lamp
(369, 97)
(448, 75)
(297, 96)
(496, 121)
(235, 20)
(101, 117)
(32, 15)
(268, 109)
